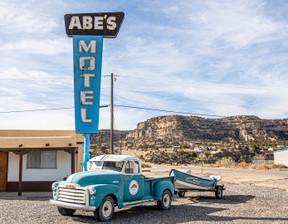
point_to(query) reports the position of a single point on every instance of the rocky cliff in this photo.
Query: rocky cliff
(190, 128)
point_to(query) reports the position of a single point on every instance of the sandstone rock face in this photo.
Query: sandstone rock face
(189, 128)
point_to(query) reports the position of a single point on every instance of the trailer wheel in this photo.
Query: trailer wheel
(66, 211)
(219, 192)
(165, 203)
(181, 194)
(105, 211)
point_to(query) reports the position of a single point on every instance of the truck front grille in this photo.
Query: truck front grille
(73, 196)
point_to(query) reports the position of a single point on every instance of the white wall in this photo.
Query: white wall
(63, 169)
(281, 157)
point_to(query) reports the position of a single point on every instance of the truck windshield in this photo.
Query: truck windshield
(105, 165)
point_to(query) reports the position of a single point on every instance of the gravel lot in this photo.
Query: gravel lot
(241, 204)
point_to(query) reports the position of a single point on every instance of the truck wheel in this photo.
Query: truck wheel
(181, 194)
(66, 211)
(219, 192)
(165, 203)
(106, 209)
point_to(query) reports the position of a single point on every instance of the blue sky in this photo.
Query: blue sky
(202, 57)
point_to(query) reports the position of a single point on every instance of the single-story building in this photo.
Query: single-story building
(31, 160)
(281, 157)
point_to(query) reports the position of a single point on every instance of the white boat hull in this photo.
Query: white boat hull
(181, 185)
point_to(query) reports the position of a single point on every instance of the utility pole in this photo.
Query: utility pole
(113, 78)
(111, 116)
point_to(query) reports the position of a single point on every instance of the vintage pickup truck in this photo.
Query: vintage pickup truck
(112, 180)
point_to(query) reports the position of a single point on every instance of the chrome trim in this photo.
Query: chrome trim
(77, 196)
(72, 206)
(137, 203)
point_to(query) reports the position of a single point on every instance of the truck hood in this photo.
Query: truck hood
(94, 177)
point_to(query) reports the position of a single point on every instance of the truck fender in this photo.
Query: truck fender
(102, 190)
(160, 187)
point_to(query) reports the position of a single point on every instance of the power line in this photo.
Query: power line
(43, 109)
(34, 110)
(48, 92)
(174, 95)
(118, 105)
(169, 111)
(32, 79)
(180, 83)
(126, 106)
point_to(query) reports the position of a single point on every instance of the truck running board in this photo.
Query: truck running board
(136, 203)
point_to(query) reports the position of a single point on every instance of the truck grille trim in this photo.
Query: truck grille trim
(78, 196)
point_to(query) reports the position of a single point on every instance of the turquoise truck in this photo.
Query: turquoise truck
(112, 180)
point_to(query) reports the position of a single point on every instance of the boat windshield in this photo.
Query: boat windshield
(105, 165)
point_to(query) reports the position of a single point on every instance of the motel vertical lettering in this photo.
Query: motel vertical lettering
(87, 79)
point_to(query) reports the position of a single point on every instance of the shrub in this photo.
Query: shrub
(145, 165)
(282, 166)
(251, 166)
(262, 167)
(242, 165)
(228, 162)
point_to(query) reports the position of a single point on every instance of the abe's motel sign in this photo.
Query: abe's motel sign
(98, 24)
(88, 30)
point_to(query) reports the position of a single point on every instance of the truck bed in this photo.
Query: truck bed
(149, 184)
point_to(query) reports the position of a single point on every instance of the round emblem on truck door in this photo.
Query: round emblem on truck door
(133, 187)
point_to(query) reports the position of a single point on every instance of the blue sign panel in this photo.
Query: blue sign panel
(87, 53)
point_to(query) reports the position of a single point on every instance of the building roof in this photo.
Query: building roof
(281, 150)
(38, 142)
(35, 139)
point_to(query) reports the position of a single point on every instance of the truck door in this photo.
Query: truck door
(133, 182)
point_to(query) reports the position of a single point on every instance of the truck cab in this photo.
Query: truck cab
(111, 180)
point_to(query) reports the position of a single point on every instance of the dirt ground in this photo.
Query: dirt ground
(274, 179)
(251, 196)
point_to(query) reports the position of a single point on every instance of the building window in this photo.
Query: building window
(41, 160)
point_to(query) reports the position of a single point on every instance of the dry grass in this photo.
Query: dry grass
(282, 166)
(146, 165)
(262, 167)
(244, 165)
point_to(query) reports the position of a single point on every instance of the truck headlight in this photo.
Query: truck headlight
(54, 187)
(92, 190)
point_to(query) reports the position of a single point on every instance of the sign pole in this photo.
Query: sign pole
(86, 151)
(202, 166)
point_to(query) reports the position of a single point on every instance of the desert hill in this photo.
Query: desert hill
(192, 128)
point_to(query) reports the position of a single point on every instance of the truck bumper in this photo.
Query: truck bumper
(72, 206)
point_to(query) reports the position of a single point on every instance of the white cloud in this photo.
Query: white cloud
(218, 57)
(42, 46)
(38, 120)
(28, 17)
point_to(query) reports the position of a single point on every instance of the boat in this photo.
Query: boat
(184, 182)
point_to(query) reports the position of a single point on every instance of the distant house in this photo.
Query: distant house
(197, 149)
(32, 159)
(281, 157)
(263, 159)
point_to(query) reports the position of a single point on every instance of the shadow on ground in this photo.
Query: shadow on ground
(187, 212)
(230, 199)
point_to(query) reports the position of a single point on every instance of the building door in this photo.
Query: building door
(3, 170)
